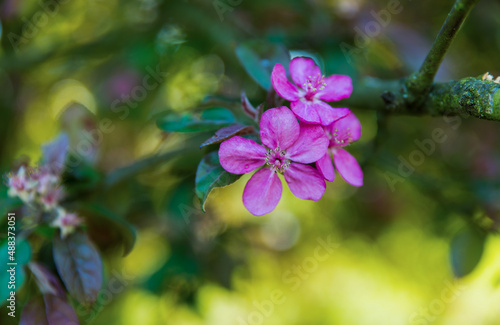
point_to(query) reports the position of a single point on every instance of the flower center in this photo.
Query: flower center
(276, 160)
(340, 137)
(313, 85)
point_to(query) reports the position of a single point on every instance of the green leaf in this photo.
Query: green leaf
(259, 57)
(22, 255)
(210, 175)
(211, 119)
(253, 66)
(466, 249)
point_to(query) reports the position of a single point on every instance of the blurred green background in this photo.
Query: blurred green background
(419, 250)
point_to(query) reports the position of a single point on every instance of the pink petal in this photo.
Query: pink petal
(325, 167)
(347, 129)
(301, 69)
(305, 112)
(262, 192)
(310, 146)
(348, 167)
(328, 114)
(337, 87)
(305, 182)
(239, 155)
(283, 87)
(279, 128)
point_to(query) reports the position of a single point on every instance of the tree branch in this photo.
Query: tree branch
(420, 83)
(418, 95)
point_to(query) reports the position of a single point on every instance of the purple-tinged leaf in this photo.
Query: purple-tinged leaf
(79, 265)
(34, 313)
(47, 282)
(55, 153)
(228, 132)
(59, 312)
(51, 310)
(247, 106)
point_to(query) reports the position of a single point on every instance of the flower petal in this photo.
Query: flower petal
(305, 182)
(283, 87)
(305, 111)
(310, 146)
(301, 68)
(328, 114)
(262, 192)
(337, 87)
(279, 128)
(325, 167)
(348, 167)
(347, 129)
(239, 155)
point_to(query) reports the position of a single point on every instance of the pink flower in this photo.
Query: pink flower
(50, 199)
(342, 133)
(307, 101)
(287, 149)
(21, 185)
(46, 180)
(66, 222)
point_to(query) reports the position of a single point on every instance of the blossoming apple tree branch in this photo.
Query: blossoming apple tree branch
(418, 95)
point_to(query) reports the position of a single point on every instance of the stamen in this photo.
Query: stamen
(276, 160)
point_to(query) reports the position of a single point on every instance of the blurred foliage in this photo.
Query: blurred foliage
(416, 244)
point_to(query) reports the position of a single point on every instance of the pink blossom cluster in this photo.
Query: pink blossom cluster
(41, 188)
(36, 186)
(298, 143)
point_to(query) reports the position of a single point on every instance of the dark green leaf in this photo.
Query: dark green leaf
(125, 229)
(252, 64)
(79, 265)
(210, 175)
(210, 119)
(466, 249)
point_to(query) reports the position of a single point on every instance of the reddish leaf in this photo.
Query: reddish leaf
(59, 312)
(34, 313)
(259, 111)
(247, 106)
(47, 282)
(79, 265)
(228, 132)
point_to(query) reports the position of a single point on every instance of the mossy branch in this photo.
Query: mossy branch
(469, 96)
